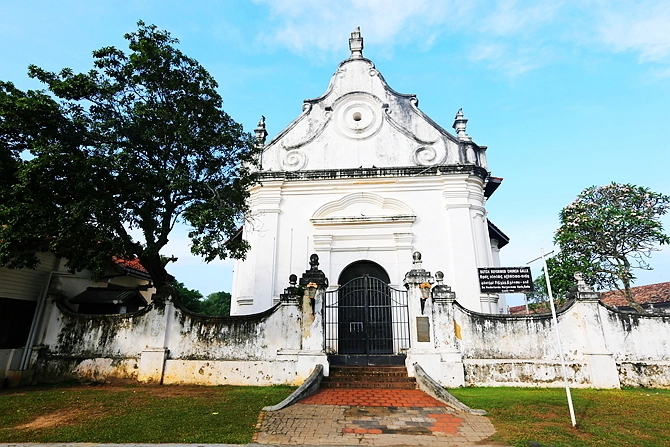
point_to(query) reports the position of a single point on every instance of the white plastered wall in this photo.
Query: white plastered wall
(379, 219)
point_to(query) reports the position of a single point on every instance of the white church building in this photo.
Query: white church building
(358, 194)
(363, 178)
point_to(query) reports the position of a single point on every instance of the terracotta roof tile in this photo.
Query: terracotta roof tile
(131, 264)
(649, 294)
(521, 310)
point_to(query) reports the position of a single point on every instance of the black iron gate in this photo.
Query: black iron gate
(366, 322)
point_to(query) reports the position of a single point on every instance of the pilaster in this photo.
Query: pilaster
(452, 370)
(469, 245)
(155, 353)
(602, 366)
(261, 232)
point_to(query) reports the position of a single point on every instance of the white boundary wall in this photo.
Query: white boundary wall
(604, 348)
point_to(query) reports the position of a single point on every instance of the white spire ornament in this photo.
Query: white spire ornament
(356, 44)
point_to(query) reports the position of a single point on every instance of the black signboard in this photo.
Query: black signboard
(505, 279)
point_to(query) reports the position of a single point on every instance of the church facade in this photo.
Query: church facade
(363, 178)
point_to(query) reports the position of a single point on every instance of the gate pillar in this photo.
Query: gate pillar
(418, 282)
(314, 283)
(453, 372)
(434, 346)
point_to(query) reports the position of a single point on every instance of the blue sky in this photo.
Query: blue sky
(566, 94)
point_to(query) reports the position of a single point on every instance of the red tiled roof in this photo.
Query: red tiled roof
(517, 310)
(521, 310)
(650, 294)
(131, 264)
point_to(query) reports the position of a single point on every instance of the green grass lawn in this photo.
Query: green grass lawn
(138, 414)
(228, 414)
(629, 417)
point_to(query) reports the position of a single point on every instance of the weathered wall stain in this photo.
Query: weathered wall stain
(603, 347)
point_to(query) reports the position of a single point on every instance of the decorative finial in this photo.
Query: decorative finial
(416, 263)
(314, 261)
(356, 44)
(314, 275)
(261, 133)
(441, 292)
(581, 285)
(460, 123)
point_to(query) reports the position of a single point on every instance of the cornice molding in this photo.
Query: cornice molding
(407, 171)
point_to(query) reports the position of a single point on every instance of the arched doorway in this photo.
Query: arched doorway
(360, 314)
(362, 268)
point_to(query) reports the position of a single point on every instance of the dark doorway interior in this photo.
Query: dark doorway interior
(364, 310)
(362, 268)
(16, 317)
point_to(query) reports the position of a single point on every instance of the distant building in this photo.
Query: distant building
(126, 287)
(653, 297)
(363, 178)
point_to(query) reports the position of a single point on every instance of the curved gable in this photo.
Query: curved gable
(361, 122)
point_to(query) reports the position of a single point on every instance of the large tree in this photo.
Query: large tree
(613, 229)
(121, 155)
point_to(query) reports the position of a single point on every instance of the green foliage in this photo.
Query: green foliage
(134, 146)
(622, 418)
(613, 229)
(189, 298)
(217, 303)
(28, 121)
(135, 414)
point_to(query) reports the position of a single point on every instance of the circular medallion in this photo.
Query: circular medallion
(358, 117)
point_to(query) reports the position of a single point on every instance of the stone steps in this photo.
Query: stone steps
(381, 377)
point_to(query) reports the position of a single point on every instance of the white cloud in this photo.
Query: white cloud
(512, 17)
(511, 60)
(314, 27)
(640, 26)
(514, 36)
(661, 73)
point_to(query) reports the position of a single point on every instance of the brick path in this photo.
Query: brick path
(372, 417)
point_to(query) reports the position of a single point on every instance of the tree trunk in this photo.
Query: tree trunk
(626, 290)
(156, 268)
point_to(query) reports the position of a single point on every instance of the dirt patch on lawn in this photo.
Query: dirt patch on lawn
(162, 391)
(168, 391)
(91, 407)
(51, 420)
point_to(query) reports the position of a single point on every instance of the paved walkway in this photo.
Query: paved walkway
(375, 417)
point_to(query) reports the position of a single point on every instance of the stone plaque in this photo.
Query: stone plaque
(422, 329)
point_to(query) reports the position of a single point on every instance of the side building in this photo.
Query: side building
(26, 302)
